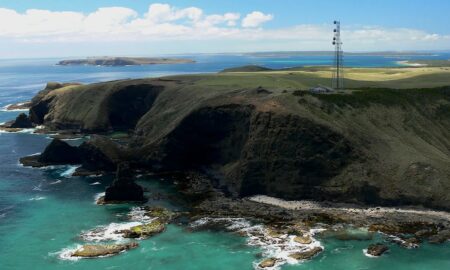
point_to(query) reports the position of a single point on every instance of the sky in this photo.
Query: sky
(56, 28)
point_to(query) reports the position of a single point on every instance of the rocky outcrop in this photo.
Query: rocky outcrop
(22, 121)
(100, 154)
(440, 237)
(123, 188)
(19, 106)
(306, 255)
(56, 153)
(93, 251)
(269, 262)
(146, 230)
(377, 250)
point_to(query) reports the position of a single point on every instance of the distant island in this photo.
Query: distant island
(331, 53)
(124, 61)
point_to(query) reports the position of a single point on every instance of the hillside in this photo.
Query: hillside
(263, 133)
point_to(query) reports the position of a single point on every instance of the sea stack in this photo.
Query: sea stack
(123, 188)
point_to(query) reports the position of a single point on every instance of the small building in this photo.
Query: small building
(321, 89)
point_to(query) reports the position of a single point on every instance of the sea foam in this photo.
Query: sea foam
(259, 235)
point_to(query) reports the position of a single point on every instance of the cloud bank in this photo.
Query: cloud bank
(164, 23)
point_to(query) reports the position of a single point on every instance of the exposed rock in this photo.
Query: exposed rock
(269, 262)
(274, 233)
(100, 154)
(377, 249)
(402, 228)
(56, 153)
(440, 237)
(146, 230)
(123, 188)
(19, 106)
(161, 213)
(195, 186)
(92, 251)
(306, 255)
(304, 240)
(22, 121)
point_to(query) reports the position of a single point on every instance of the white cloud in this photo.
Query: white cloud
(228, 31)
(160, 13)
(255, 19)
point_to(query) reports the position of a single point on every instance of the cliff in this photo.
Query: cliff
(262, 134)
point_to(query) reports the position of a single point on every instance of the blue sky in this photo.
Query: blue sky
(219, 26)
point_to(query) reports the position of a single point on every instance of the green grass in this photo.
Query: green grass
(387, 97)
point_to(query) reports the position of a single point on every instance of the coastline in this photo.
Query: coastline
(374, 212)
(410, 64)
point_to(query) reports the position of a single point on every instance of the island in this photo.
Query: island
(124, 61)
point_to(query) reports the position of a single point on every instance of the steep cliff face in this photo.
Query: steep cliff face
(372, 146)
(290, 156)
(93, 108)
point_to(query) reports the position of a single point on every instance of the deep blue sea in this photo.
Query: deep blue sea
(44, 212)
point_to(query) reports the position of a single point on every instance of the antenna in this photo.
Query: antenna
(338, 65)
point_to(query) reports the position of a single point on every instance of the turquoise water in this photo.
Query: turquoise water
(44, 211)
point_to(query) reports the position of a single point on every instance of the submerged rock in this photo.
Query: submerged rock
(123, 188)
(377, 249)
(145, 230)
(269, 262)
(92, 251)
(306, 255)
(440, 237)
(347, 234)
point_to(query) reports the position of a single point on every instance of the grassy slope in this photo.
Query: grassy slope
(175, 103)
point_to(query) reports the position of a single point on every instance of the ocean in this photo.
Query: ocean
(45, 212)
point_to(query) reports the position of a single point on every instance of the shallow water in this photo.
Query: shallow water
(44, 211)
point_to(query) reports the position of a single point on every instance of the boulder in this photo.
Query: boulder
(306, 255)
(304, 239)
(92, 251)
(377, 249)
(123, 188)
(145, 230)
(269, 262)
